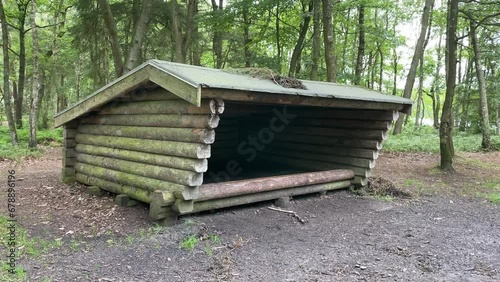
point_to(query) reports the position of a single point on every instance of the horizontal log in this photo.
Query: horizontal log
(194, 165)
(312, 165)
(180, 149)
(191, 135)
(208, 121)
(173, 175)
(113, 187)
(351, 161)
(324, 140)
(331, 123)
(269, 195)
(141, 182)
(164, 107)
(343, 133)
(327, 150)
(156, 94)
(257, 185)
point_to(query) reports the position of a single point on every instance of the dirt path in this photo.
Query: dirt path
(440, 234)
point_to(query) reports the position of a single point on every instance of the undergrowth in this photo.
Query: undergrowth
(426, 139)
(49, 137)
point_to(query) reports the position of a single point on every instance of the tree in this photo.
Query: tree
(316, 39)
(36, 84)
(113, 37)
(417, 55)
(304, 27)
(361, 45)
(6, 79)
(328, 37)
(446, 125)
(134, 54)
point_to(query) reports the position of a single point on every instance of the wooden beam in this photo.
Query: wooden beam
(257, 185)
(126, 83)
(330, 141)
(187, 90)
(194, 165)
(266, 196)
(208, 121)
(144, 94)
(191, 135)
(296, 100)
(171, 148)
(163, 107)
(173, 175)
(114, 187)
(124, 178)
(327, 150)
(350, 161)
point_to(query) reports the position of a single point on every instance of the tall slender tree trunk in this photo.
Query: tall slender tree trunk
(297, 50)
(278, 36)
(316, 39)
(419, 51)
(435, 88)
(361, 45)
(6, 88)
(246, 37)
(176, 26)
(35, 83)
(19, 94)
(141, 28)
(328, 38)
(217, 39)
(483, 104)
(113, 37)
(446, 126)
(420, 93)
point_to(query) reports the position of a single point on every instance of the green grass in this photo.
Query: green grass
(426, 139)
(189, 243)
(44, 137)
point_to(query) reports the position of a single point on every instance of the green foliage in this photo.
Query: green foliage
(426, 139)
(44, 137)
(189, 243)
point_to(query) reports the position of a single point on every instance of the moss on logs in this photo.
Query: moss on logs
(185, 121)
(265, 196)
(164, 107)
(181, 149)
(183, 177)
(194, 165)
(191, 135)
(117, 188)
(130, 179)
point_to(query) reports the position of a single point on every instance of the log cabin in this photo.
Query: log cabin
(186, 139)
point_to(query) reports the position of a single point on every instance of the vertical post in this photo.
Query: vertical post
(69, 152)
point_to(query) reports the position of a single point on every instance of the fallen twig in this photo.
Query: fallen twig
(294, 214)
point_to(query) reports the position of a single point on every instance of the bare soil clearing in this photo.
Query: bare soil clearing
(444, 232)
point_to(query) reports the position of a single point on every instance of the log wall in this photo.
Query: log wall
(150, 145)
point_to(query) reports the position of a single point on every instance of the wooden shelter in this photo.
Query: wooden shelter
(186, 138)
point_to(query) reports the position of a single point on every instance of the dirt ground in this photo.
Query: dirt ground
(446, 231)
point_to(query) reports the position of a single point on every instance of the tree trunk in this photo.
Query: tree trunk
(246, 37)
(217, 39)
(141, 29)
(316, 39)
(361, 45)
(19, 95)
(446, 126)
(6, 88)
(483, 104)
(35, 82)
(113, 37)
(418, 114)
(436, 100)
(419, 51)
(297, 50)
(328, 38)
(278, 36)
(176, 26)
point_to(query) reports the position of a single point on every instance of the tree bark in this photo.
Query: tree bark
(328, 38)
(113, 37)
(446, 126)
(419, 51)
(6, 88)
(316, 39)
(140, 32)
(483, 104)
(35, 83)
(361, 45)
(436, 99)
(297, 50)
(420, 93)
(217, 39)
(19, 95)
(246, 37)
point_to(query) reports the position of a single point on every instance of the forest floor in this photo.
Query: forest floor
(448, 230)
